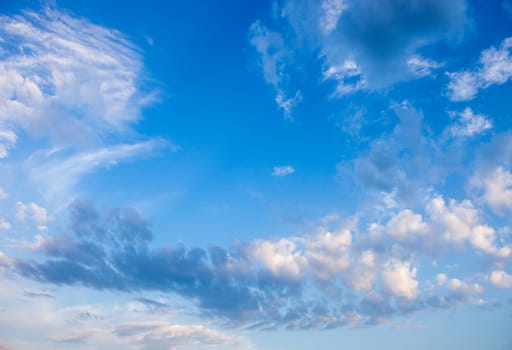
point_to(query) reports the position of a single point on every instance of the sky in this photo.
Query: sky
(256, 175)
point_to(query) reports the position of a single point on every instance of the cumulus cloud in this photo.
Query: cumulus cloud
(283, 170)
(470, 124)
(494, 68)
(460, 290)
(63, 68)
(501, 279)
(398, 278)
(497, 189)
(406, 224)
(460, 222)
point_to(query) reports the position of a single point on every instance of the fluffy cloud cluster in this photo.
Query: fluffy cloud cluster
(288, 282)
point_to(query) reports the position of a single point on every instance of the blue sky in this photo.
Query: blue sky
(255, 175)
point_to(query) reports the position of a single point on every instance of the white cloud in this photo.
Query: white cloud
(66, 79)
(32, 211)
(406, 224)
(501, 279)
(328, 254)
(460, 222)
(348, 76)
(421, 66)
(470, 291)
(7, 141)
(470, 124)
(159, 335)
(288, 104)
(495, 68)
(4, 225)
(3, 194)
(44, 167)
(274, 58)
(283, 170)
(332, 10)
(398, 278)
(364, 272)
(282, 258)
(497, 188)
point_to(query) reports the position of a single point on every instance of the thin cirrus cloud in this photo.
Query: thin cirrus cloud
(44, 166)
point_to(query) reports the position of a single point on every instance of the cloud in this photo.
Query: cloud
(460, 222)
(461, 290)
(470, 124)
(494, 68)
(274, 57)
(33, 212)
(7, 141)
(398, 278)
(332, 10)
(78, 89)
(391, 164)
(497, 189)
(4, 225)
(3, 194)
(158, 335)
(361, 44)
(501, 279)
(70, 339)
(44, 166)
(283, 170)
(405, 224)
(422, 67)
(58, 67)
(294, 282)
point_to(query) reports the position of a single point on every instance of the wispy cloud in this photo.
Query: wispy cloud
(45, 166)
(56, 68)
(283, 170)
(494, 68)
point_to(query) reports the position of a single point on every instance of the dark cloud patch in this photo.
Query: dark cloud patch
(37, 295)
(385, 33)
(380, 36)
(112, 252)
